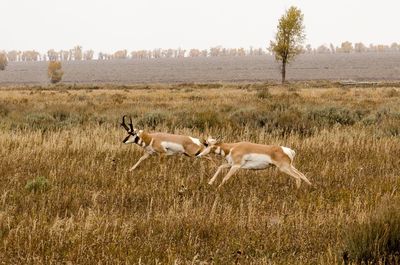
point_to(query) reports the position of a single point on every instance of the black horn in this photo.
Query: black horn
(130, 123)
(123, 123)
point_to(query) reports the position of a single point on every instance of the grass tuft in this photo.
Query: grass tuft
(38, 184)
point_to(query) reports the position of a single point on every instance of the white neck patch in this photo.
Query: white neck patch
(195, 140)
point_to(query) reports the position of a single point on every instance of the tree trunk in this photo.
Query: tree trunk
(283, 71)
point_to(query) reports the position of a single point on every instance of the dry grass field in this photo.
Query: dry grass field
(362, 66)
(66, 196)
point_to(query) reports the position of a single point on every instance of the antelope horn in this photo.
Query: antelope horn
(123, 123)
(130, 124)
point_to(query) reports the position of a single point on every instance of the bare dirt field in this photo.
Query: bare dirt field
(366, 66)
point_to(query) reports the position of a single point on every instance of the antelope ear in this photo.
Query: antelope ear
(211, 140)
(218, 139)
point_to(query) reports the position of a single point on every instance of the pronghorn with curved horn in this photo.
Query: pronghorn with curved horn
(253, 156)
(161, 143)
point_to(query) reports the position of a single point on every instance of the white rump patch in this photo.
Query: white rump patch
(289, 152)
(196, 141)
(256, 161)
(172, 148)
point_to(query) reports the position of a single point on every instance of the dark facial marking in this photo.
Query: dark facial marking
(130, 133)
(126, 138)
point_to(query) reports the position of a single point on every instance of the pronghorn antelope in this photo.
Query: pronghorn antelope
(161, 143)
(252, 156)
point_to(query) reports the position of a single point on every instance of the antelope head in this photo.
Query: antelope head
(210, 144)
(132, 136)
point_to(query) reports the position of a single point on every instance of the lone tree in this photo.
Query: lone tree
(289, 38)
(54, 71)
(3, 61)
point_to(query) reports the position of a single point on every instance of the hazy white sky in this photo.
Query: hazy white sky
(105, 25)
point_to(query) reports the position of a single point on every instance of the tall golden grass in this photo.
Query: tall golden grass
(66, 196)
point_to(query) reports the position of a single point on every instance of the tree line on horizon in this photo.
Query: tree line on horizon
(77, 53)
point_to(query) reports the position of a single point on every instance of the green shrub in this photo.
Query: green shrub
(99, 119)
(292, 88)
(37, 184)
(369, 120)
(263, 94)
(390, 127)
(290, 121)
(206, 119)
(211, 85)
(387, 122)
(334, 115)
(39, 120)
(282, 120)
(382, 114)
(60, 115)
(196, 98)
(64, 118)
(198, 120)
(152, 119)
(250, 117)
(377, 240)
(54, 120)
(4, 110)
(118, 98)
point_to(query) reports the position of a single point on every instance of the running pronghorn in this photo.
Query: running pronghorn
(161, 143)
(252, 156)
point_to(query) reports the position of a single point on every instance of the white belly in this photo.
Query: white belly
(172, 148)
(256, 161)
